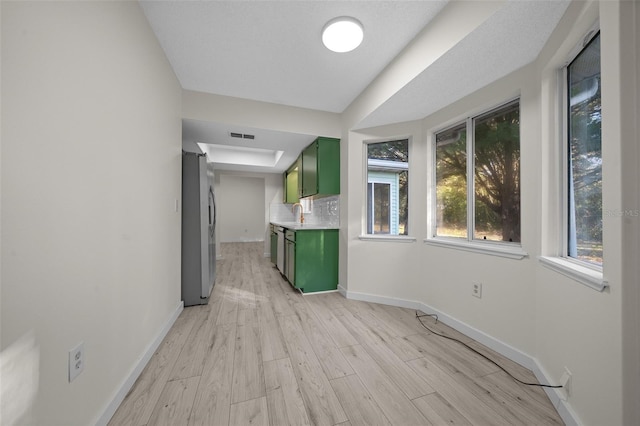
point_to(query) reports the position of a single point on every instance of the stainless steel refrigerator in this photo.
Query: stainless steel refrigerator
(198, 229)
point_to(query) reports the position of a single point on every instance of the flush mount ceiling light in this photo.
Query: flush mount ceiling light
(342, 34)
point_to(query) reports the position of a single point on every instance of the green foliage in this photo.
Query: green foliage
(496, 175)
(390, 151)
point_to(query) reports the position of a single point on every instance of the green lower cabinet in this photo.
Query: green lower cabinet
(315, 260)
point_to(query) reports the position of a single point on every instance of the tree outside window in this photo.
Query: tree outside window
(480, 201)
(584, 155)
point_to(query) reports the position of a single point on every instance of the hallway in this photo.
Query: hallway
(261, 353)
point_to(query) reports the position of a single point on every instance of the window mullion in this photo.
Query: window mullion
(470, 181)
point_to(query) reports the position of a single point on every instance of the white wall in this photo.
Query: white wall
(91, 139)
(261, 115)
(245, 198)
(555, 321)
(240, 205)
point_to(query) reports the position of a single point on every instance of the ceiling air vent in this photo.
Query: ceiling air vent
(241, 136)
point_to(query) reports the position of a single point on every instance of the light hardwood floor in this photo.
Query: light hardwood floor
(261, 353)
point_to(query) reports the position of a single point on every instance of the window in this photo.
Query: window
(584, 155)
(378, 205)
(387, 187)
(477, 195)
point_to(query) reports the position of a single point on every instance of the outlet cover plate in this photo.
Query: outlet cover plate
(476, 289)
(76, 361)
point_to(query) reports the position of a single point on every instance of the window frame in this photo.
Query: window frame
(507, 249)
(372, 207)
(364, 235)
(586, 273)
(585, 42)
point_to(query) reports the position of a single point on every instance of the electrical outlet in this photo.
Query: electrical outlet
(565, 381)
(76, 361)
(476, 290)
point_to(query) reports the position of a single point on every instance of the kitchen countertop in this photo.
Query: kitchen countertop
(297, 226)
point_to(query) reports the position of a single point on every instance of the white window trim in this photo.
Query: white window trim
(492, 248)
(371, 194)
(387, 238)
(583, 272)
(363, 231)
(577, 271)
(512, 250)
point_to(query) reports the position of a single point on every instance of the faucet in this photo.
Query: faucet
(301, 211)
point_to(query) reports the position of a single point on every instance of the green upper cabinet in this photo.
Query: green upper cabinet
(321, 168)
(292, 183)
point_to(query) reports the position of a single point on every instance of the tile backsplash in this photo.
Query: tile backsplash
(321, 211)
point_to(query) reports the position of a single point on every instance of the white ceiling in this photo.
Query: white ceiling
(272, 51)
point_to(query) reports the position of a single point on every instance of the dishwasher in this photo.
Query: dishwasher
(280, 258)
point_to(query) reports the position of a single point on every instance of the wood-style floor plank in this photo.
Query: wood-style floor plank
(400, 373)
(367, 333)
(284, 399)
(359, 405)
(451, 356)
(250, 413)
(391, 400)
(323, 307)
(512, 395)
(476, 411)
(438, 411)
(228, 313)
(330, 357)
(271, 340)
(320, 400)
(213, 398)
(175, 403)
(262, 353)
(248, 377)
(192, 357)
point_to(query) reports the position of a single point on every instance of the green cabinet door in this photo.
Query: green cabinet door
(321, 168)
(292, 183)
(316, 260)
(310, 170)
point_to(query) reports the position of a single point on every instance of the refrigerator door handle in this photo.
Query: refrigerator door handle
(212, 205)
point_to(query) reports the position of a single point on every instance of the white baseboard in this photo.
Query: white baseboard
(319, 292)
(128, 383)
(342, 291)
(563, 407)
(569, 417)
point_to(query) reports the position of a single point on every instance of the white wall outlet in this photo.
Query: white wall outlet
(476, 289)
(76, 361)
(565, 381)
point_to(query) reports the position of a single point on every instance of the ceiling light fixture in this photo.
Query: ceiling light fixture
(342, 34)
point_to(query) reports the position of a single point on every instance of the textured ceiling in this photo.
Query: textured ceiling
(271, 51)
(510, 39)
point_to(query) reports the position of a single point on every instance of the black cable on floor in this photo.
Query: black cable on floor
(477, 352)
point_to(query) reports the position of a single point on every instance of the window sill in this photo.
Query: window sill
(582, 274)
(388, 238)
(499, 250)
